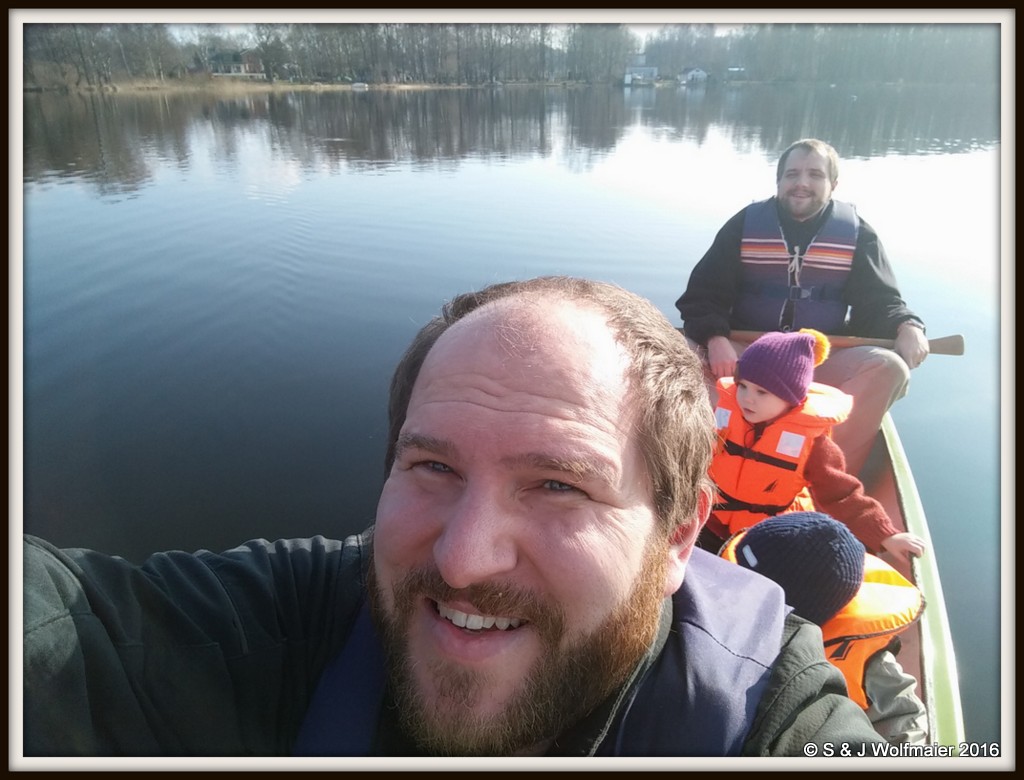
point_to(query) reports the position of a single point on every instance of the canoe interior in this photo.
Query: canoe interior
(927, 647)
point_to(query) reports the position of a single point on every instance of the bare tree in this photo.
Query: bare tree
(270, 48)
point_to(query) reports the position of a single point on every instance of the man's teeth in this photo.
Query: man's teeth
(476, 622)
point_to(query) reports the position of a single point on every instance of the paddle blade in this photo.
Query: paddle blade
(947, 345)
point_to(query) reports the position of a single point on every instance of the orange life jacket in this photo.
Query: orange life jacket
(755, 480)
(886, 604)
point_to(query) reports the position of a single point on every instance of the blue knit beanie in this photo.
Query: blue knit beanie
(817, 560)
(783, 363)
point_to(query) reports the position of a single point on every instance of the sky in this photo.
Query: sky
(642, 19)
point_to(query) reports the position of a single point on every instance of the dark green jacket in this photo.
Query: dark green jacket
(219, 654)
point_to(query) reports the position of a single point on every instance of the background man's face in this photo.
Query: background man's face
(805, 186)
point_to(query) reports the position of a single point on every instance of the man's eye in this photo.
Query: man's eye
(433, 465)
(559, 487)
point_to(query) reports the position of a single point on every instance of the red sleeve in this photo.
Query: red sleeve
(841, 495)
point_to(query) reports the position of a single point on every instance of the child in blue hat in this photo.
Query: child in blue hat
(860, 602)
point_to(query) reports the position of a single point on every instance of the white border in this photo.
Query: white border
(1005, 17)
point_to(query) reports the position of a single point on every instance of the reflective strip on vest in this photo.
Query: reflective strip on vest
(765, 285)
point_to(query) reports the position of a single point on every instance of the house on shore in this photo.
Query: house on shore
(244, 64)
(694, 76)
(639, 74)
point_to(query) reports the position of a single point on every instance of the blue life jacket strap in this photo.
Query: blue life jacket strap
(342, 716)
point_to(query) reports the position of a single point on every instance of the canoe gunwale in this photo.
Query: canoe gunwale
(939, 680)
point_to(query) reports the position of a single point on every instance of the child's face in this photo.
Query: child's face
(757, 404)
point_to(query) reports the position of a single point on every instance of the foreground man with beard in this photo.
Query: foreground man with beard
(530, 586)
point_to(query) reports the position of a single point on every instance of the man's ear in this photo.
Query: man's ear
(681, 543)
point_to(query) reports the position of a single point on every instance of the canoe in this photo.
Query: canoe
(927, 646)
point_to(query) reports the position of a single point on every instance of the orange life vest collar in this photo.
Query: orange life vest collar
(824, 403)
(757, 479)
(886, 604)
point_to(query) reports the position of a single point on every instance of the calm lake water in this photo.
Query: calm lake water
(216, 290)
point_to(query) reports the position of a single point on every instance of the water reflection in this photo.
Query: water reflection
(114, 141)
(213, 311)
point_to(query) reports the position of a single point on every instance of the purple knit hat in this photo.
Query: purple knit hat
(783, 363)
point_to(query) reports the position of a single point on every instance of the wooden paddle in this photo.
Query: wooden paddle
(945, 345)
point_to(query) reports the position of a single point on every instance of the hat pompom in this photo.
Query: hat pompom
(821, 344)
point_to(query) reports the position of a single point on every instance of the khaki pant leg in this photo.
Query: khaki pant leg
(876, 378)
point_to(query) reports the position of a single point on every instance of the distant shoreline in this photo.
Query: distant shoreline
(228, 85)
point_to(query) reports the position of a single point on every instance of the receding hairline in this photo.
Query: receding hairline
(526, 308)
(520, 323)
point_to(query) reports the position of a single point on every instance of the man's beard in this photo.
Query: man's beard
(565, 684)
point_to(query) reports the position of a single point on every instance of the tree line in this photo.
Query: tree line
(98, 55)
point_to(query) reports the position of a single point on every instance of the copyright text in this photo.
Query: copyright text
(886, 750)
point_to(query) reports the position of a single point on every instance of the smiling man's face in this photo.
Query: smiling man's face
(806, 185)
(518, 569)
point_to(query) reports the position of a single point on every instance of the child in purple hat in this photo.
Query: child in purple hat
(775, 451)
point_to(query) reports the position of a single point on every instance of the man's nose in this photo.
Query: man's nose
(478, 538)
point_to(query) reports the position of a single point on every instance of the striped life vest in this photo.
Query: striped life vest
(755, 480)
(812, 278)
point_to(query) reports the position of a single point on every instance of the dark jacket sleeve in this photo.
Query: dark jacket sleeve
(841, 495)
(806, 702)
(707, 302)
(876, 307)
(187, 654)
